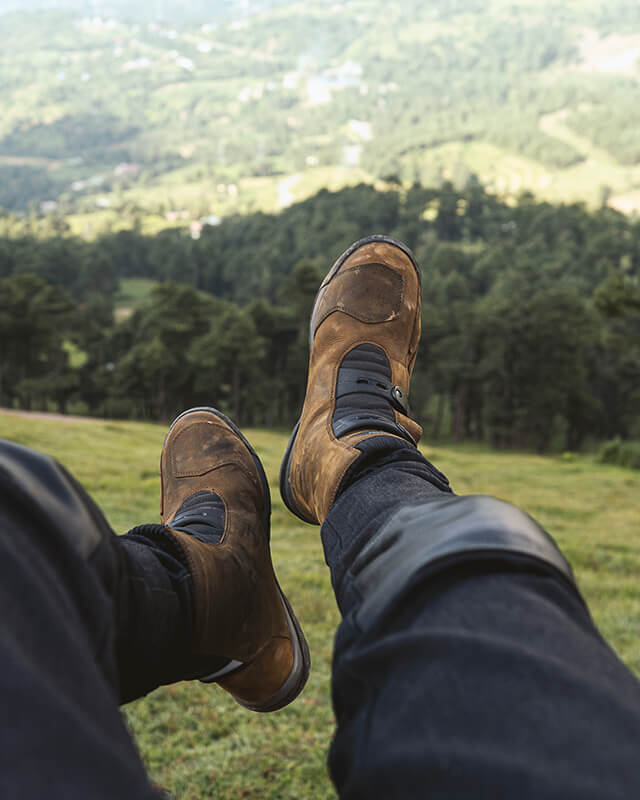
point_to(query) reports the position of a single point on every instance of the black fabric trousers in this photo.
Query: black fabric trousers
(88, 620)
(480, 675)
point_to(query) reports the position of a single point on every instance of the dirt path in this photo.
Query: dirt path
(12, 412)
(31, 161)
(285, 195)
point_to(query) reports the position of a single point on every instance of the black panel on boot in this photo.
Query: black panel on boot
(365, 396)
(202, 516)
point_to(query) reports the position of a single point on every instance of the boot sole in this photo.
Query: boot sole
(285, 490)
(299, 674)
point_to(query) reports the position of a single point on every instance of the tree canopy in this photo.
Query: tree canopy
(531, 315)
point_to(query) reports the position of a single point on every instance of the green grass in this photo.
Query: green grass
(508, 174)
(194, 739)
(132, 292)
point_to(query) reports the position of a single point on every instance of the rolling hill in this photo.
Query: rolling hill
(113, 114)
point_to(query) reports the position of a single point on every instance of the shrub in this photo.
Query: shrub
(624, 454)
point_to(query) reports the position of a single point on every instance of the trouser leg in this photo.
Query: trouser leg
(467, 663)
(83, 613)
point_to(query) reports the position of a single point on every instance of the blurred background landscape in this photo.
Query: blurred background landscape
(117, 113)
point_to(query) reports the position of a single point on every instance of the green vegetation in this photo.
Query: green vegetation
(131, 294)
(194, 739)
(157, 116)
(531, 315)
(625, 454)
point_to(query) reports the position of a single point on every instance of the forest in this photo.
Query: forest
(531, 315)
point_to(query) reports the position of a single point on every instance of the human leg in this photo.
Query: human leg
(466, 662)
(62, 735)
(467, 671)
(93, 619)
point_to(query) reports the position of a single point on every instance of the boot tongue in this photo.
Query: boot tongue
(202, 516)
(365, 395)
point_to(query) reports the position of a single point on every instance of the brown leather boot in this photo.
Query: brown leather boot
(216, 503)
(364, 334)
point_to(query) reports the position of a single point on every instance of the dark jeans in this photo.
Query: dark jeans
(470, 673)
(479, 674)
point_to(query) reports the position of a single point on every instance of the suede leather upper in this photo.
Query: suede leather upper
(372, 295)
(239, 610)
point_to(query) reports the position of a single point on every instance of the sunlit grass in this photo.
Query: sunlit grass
(194, 738)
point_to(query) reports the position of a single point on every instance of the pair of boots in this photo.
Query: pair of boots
(364, 334)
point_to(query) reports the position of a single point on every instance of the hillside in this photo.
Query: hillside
(194, 738)
(109, 119)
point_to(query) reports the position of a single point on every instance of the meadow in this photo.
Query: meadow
(193, 738)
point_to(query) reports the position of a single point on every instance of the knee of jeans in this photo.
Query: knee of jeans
(35, 486)
(422, 539)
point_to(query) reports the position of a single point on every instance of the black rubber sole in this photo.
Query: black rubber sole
(285, 487)
(299, 674)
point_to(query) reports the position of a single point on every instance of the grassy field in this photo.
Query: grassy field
(132, 292)
(194, 739)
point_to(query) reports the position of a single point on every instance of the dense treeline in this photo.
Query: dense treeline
(531, 315)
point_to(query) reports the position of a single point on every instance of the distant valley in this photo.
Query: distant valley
(112, 121)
